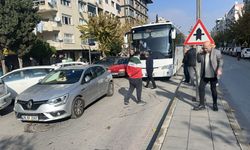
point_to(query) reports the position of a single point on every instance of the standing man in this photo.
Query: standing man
(185, 66)
(211, 68)
(134, 71)
(191, 64)
(150, 69)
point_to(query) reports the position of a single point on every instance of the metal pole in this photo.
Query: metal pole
(198, 9)
(89, 55)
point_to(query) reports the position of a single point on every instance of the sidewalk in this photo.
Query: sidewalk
(198, 130)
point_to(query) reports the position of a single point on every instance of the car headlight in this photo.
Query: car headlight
(167, 67)
(59, 100)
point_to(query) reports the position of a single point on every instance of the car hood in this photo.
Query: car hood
(41, 92)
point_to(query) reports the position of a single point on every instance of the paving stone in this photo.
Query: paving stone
(174, 143)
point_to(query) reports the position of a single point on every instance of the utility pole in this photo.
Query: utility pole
(198, 9)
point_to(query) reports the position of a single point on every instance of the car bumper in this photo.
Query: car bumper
(44, 113)
(5, 100)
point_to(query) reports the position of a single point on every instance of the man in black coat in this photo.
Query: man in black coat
(150, 69)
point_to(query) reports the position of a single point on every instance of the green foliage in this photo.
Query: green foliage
(18, 20)
(238, 32)
(104, 29)
(41, 50)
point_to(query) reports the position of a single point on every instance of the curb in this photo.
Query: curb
(161, 130)
(242, 141)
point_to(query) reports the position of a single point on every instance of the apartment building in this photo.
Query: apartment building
(231, 16)
(134, 10)
(60, 19)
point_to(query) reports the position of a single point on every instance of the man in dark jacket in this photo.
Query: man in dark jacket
(211, 68)
(185, 66)
(191, 63)
(150, 69)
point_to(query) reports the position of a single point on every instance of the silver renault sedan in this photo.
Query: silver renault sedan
(64, 92)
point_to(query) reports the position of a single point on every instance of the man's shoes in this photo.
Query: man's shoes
(126, 102)
(199, 107)
(153, 87)
(215, 107)
(146, 86)
(141, 102)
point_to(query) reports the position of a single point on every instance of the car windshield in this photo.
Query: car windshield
(68, 76)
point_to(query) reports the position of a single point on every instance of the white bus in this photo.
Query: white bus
(160, 39)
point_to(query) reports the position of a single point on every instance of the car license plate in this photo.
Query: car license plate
(30, 118)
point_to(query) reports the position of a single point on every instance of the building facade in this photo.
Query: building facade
(134, 10)
(230, 17)
(60, 19)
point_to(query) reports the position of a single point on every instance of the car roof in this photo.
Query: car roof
(31, 67)
(65, 63)
(80, 67)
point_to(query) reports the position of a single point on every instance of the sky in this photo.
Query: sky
(183, 12)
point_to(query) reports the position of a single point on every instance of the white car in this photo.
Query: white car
(66, 64)
(5, 99)
(245, 53)
(20, 79)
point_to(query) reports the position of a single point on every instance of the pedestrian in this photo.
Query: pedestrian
(150, 69)
(33, 61)
(191, 64)
(185, 66)
(134, 71)
(211, 68)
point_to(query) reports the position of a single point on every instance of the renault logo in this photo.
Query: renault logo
(29, 104)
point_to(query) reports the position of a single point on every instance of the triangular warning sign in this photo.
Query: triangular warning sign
(198, 35)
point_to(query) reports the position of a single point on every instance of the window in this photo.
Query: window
(65, 2)
(98, 71)
(68, 38)
(33, 73)
(91, 9)
(38, 2)
(118, 8)
(112, 4)
(107, 1)
(88, 75)
(82, 6)
(14, 76)
(66, 19)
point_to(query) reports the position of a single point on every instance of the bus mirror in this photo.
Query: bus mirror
(173, 33)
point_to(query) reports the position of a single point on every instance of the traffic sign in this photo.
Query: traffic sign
(198, 35)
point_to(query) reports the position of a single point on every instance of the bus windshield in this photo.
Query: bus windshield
(154, 39)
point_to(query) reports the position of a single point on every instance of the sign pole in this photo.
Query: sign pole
(198, 48)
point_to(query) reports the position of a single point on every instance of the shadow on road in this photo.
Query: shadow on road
(7, 110)
(18, 142)
(123, 91)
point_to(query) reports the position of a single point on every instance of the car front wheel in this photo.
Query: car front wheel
(110, 89)
(77, 108)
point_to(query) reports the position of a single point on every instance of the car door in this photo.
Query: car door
(89, 89)
(101, 79)
(15, 82)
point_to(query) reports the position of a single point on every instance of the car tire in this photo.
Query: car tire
(77, 108)
(110, 91)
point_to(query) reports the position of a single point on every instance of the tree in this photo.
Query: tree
(105, 29)
(18, 20)
(41, 51)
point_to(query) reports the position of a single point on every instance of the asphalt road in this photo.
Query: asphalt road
(236, 88)
(106, 125)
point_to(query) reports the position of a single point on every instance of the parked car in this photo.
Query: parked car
(20, 79)
(65, 64)
(245, 53)
(64, 92)
(119, 67)
(5, 99)
(108, 61)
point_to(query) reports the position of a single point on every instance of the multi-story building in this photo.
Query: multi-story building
(233, 15)
(134, 10)
(60, 19)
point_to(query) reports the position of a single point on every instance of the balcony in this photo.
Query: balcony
(45, 5)
(51, 26)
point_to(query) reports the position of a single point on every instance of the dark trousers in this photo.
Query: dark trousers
(150, 78)
(186, 73)
(203, 83)
(134, 84)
